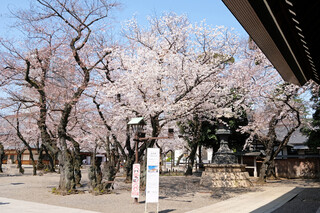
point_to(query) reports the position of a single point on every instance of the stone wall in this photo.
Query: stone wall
(225, 175)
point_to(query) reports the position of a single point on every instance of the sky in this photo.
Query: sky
(213, 11)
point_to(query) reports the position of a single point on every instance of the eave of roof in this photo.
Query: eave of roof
(279, 35)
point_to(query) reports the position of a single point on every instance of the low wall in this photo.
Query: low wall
(298, 168)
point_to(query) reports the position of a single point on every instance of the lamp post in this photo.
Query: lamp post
(137, 125)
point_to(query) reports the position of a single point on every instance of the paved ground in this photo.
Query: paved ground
(307, 201)
(32, 194)
(13, 206)
(253, 201)
(272, 199)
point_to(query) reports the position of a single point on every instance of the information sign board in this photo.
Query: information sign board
(152, 185)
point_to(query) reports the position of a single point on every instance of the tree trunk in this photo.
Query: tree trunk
(263, 175)
(49, 155)
(179, 159)
(1, 157)
(19, 154)
(269, 144)
(271, 170)
(172, 159)
(128, 168)
(52, 161)
(191, 157)
(67, 181)
(163, 162)
(92, 172)
(130, 158)
(95, 174)
(200, 154)
(40, 165)
(143, 172)
(77, 164)
(34, 171)
(111, 169)
(266, 162)
(201, 166)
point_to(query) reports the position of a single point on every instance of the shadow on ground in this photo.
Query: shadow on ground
(167, 210)
(16, 184)
(177, 186)
(307, 201)
(6, 203)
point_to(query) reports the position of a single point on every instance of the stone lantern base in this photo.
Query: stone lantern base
(225, 175)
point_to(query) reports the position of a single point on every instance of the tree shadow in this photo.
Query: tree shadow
(6, 203)
(167, 210)
(181, 186)
(17, 183)
(162, 197)
(164, 211)
(225, 193)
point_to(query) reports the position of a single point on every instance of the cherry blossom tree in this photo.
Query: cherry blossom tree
(168, 70)
(26, 132)
(270, 103)
(94, 134)
(82, 88)
(11, 141)
(282, 108)
(311, 130)
(65, 43)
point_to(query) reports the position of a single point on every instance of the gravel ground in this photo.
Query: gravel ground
(177, 193)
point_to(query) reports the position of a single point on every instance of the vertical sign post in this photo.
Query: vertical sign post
(135, 181)
(152, 185)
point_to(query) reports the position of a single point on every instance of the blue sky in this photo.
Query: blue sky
(214, 11)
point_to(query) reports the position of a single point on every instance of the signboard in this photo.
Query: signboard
(152, 185)
(135, 180)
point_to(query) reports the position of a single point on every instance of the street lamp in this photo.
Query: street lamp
(137, 125)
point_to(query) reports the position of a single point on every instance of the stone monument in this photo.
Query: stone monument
(225, 170)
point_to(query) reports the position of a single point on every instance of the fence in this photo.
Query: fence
(298, 168)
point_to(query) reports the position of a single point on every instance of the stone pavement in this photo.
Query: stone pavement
(256, 202)
(307, 201)
(13, 206)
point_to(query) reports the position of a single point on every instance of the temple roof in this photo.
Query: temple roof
(287, 33)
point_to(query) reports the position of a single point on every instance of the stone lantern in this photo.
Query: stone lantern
(225, 170)
(224, 155)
